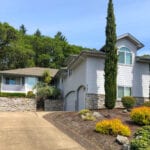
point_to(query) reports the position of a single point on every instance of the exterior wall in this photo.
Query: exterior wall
(96, 101)
(17, 104)
(141, 80)
(53, 105)
(95, 75)
(125, 72)
(136, 75)
(11, 88)
(76, 79)
(30, 82)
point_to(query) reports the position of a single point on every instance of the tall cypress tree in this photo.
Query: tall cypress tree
(111, 59)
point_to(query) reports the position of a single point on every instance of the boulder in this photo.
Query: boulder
(83, 117)
(125, 111)
(97, 114)
(122, 140)
(126, 147)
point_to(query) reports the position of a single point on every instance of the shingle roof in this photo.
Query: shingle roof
(34, 71)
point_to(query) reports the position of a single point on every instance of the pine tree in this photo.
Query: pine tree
(22, 29)
(111, 59)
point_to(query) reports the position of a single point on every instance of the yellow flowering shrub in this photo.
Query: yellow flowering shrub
(112, 127)
(141, 115)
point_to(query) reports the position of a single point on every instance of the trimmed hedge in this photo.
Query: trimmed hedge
(12, 95)
(128, 102)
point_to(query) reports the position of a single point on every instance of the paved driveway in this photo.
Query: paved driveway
(29, 131)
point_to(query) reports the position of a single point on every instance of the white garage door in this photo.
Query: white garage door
(81, 98)
(70, 102)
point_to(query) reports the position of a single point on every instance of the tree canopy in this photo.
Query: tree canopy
(20, 50)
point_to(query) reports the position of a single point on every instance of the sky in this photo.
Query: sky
(81, 21)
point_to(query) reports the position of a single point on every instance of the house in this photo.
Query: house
(82, 82)
(22, 80)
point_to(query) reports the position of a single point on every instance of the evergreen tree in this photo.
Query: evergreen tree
(60, 36)
(37, 33)
(111, 59)
(22, 29)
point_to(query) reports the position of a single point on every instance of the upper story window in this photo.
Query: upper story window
(125, 56)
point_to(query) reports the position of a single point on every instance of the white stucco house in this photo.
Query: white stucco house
(22, 80)
(82, 82)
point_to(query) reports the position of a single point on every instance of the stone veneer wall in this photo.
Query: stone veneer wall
(17, 104)
(96, 101)
(53, 105)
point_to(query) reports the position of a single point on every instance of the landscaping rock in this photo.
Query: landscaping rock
(122, 140)
(83, 117)
(126, 147)
(125, 111)
(97, 114)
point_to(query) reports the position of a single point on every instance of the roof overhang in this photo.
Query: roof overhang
(83, 55)
(33, 71)
(132, 39)
(143, 59)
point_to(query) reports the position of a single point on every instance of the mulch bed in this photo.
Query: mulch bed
(83, 131)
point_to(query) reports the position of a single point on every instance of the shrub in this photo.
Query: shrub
(113, 127)
(141, 139)
(141, 115)
(128, 102)
(87, 115)
(30, 94)
(147, 104)
(84, 111)
(12, 94)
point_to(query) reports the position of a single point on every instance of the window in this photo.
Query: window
(12, 81)
(124, 91)
(125, 56)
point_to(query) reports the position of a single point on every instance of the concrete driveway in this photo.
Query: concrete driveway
(29, 131)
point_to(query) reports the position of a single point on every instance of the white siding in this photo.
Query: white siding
(141, 81)
(78, 78)
(95, 75)
(125, 72)
(136, 76)
(90, 73)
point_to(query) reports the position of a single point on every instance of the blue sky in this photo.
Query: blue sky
(81, 21)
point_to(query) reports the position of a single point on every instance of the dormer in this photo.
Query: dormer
(127, 46)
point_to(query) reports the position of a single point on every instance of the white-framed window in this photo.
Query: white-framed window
(12, 81)
(124, 91)
(125, 56)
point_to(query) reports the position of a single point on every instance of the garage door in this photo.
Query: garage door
(81, 98)
(70, 101)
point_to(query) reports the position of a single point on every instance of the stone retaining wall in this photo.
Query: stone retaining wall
(96, 101)
(53, 105)
(17, 104)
